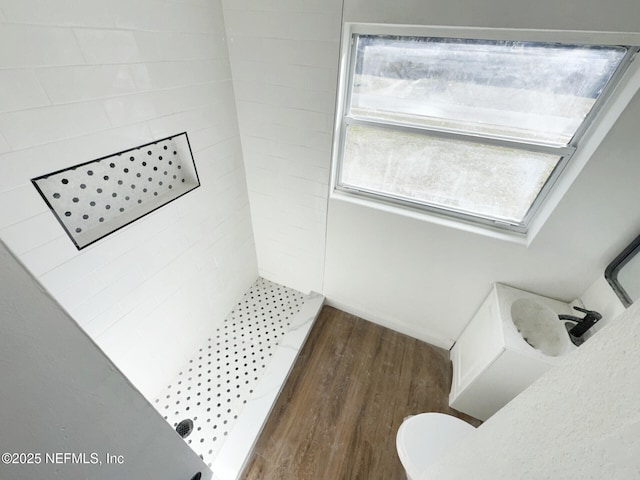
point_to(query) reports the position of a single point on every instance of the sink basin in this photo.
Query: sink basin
(513, 338)
(539, 326)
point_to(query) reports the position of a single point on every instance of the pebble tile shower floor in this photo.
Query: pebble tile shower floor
(217, 382)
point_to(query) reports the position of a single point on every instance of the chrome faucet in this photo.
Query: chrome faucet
(582, 324)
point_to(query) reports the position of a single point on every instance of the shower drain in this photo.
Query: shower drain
(185, 427)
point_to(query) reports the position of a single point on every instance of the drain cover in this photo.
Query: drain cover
(185, 427)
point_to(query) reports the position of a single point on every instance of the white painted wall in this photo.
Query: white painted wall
(579, 420)
(60, 393)
(284, 57)
(80, 80)
(427, 280)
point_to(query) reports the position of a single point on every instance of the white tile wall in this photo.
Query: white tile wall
(133, 108)
(107, 46)
(306, 6)
(4, 146)
(75, 84)
(284, 58)
(24, 164)
(286, 51)
(17, 201)
(300, 25)
(177, 46)
(20, 89)
(83, 79)
(166, 75)
(90, 13)
(27, 234)
(28, 128)
(163, 16)
(313, 78)
(29, 45)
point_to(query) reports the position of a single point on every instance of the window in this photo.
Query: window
(476, 129)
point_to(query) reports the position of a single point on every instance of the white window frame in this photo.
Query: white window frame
(623, 85)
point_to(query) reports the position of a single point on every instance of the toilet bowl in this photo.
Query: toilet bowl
(423, 439)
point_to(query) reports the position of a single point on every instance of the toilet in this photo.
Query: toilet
(423, 439)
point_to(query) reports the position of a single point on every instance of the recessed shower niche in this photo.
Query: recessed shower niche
(96, 198)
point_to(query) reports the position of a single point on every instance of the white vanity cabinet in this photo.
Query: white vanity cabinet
(492, 363)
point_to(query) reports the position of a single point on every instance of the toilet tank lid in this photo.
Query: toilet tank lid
(423, 439)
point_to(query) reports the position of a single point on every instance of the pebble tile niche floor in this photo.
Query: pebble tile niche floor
(216, 384)
(96, 198)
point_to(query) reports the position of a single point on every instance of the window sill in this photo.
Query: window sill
(433, 218)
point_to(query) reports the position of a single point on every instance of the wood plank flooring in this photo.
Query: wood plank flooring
(350, 389)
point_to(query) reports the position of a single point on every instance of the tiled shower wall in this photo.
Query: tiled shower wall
(83, 79)
(284, 56)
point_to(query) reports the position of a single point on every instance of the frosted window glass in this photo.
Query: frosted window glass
(534, 92)
(477, 179)
(476, 129)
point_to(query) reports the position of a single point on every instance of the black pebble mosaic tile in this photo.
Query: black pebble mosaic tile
(96, 198)
(218, 381)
